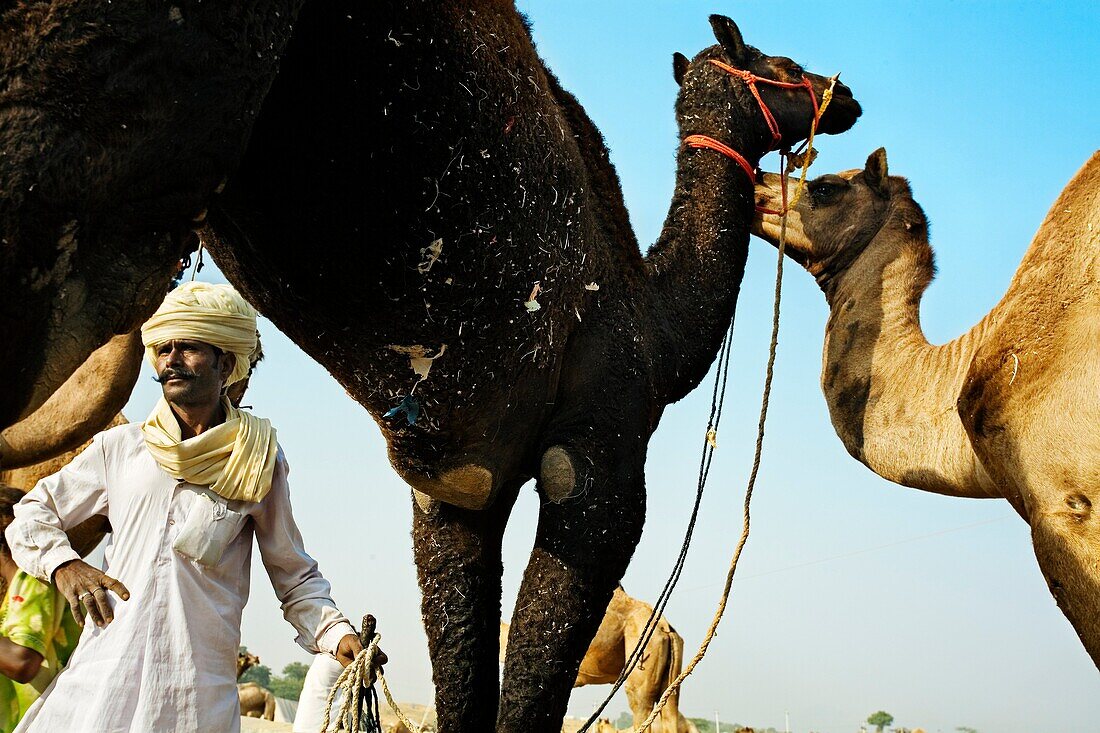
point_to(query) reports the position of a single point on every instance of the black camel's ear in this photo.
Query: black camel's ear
(727, 33)
(679, 67)
(875, 172)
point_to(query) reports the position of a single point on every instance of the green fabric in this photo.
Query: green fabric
(35, 615)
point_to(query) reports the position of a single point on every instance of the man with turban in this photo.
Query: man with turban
(185, 492)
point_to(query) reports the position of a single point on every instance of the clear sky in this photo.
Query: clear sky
(854, 595)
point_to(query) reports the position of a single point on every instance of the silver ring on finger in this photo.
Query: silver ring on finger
(89, 593)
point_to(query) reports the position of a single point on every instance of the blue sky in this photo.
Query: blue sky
(854, 595)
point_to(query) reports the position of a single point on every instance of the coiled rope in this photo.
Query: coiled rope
(359, 709)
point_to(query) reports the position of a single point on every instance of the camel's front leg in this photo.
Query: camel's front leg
(1066, 534)
(582, 547)
(458, 565)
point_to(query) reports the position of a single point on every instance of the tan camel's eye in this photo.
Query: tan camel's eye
(824, 192)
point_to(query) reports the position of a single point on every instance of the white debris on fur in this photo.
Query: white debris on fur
(420, 357)
(430, 254)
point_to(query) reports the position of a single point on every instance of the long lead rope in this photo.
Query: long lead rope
(806, 160)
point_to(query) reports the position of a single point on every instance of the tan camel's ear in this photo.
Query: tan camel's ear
(876, 172)
(679, 67)
(729, 35)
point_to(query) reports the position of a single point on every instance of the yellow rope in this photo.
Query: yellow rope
(807, 158)
(806, 161)
(356, 678)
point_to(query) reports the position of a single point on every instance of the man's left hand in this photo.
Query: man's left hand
(350, 646)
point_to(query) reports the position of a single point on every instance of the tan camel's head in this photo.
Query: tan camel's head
(706, 85)
(246, 661)
(839, 215)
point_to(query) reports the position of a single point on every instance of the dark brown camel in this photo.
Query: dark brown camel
(414, 174)
(480, 170)
(118, 119)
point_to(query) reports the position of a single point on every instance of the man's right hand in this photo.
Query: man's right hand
(80, 583)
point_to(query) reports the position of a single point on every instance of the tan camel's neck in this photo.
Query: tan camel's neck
(892, 395)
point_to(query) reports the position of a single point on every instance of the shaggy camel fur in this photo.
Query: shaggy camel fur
(1009, 409)
(118, 120)
(661, 662)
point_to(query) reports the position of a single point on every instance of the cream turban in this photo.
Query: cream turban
(213, 314)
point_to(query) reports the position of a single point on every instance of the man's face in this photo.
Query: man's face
(192, 372)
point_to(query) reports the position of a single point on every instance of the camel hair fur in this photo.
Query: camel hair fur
(468, 268)
(1009, 409)
(661, 662)
(118, 120)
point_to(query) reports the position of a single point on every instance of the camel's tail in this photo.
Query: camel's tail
(269, 705)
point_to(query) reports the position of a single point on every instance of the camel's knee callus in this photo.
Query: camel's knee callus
(557, 475)
(469, 486)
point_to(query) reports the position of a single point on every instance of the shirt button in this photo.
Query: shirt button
(171, 521)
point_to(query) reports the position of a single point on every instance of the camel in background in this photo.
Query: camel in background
(256, 701)
(1009, 409)
(245, 662)
(661, 662)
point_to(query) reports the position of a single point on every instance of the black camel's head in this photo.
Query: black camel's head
(706, 85)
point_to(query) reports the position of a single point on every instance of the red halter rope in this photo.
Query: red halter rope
(705, 141)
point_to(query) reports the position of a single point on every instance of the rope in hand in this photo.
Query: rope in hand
(360, 699)
(806, 160)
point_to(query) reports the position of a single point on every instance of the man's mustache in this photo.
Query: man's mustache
(174, 374)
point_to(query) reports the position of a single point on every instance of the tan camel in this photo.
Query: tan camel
(256, 701)
(80, 408)
(1009, 409)
(605, 659)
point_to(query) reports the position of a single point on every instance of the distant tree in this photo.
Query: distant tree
(966, 729)
(706, 725)
(288, 685)
(625, 720)
(880, 720)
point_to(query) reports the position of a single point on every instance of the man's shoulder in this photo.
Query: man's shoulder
(126, 432)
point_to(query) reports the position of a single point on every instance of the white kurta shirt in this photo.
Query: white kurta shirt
(168, 660)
